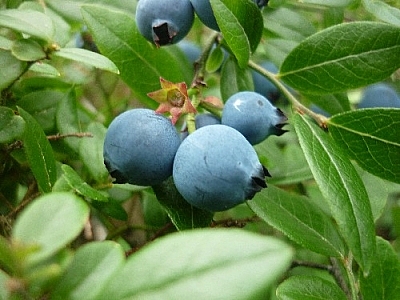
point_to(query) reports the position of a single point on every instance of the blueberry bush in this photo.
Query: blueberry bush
(90, 210)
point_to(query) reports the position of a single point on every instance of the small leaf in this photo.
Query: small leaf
(27, 50)
(88, 57)
(202, 264)
(31, 22)
(67, 119)
(91, 151)
(299, 219)
(80, 186)
(342, 187)
(140, 63)
(383, 281)
(44, 69)
(234, 79)
(215, 60)
(241, 32)
(50, 222)
(342, 57)
(92, 266)
(370, 138)
(39, 153)
(11, 125)
(307, 287)
(383, 11)
(182, 214)
(11, 68)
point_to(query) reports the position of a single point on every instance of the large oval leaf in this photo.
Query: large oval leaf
(342, 187)
(50, 222)
(343, 57)
(202, 264)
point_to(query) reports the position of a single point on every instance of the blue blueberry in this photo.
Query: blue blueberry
(190, 49)
(164, 22)
(201, 120)
(263, 86)
(140, 146)
(205, 13)
(253, 116)
(379, 95)
(215, 168)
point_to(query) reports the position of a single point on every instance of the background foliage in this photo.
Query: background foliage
(328, 224)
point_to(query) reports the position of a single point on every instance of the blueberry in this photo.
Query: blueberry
(164, 22)
(379, 95)
(201, 120)
(254, 116)
(191, 50)
(205, 13)
(263, 86)
(140, 146)
(215, 168)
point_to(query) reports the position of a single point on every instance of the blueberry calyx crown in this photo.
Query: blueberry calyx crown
(163, 34)
(281, 122)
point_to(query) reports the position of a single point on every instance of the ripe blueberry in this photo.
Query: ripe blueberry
(164, 21)
(253, 116)
(140, 146)
(201, 120)
(215, 168)
(263, 86)
(379, 95)
(190, 49)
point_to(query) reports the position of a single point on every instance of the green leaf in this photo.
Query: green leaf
(342, 57)
(87, 57)
(50, 222)
(307, 287)
(92, 266)
(342, 187)
(215, 60)
(4, 282)
(383, 11)
(39, 153)
(241, 24)
(383, 281)
(140, 63)
(329, 3)
(44, 69)
(234, 79)
(277, 49)
(67, 119)
(370, 138)
(11, 125)
(202, 264)
(299, 219)
(331, 103)
(182, 214)
(31, 22)
(91, 151)
(27, 50)
(11, 68)
(80, 186)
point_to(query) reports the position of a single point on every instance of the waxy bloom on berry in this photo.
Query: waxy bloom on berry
(173, 98)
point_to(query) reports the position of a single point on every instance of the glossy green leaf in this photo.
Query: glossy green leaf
(87, 57)
(215, 60)
(92, 266)
(39, 153)
(299, 219)
(342, 57)
(44, 69)
(241, 24)
(91, 151)
(11, 125)
(67, 119)
(80, 186)
(50, 222)
(182, 214)
(31, 22)
(27, 50)
(140, 63)
(11, 68)
(370, 137)
(383, 281)
(342, 187)
(202, 264)
(307, 287)
(234, 79)
(383, 11)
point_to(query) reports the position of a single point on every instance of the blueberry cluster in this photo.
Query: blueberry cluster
(214, 168)
(169, 21)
